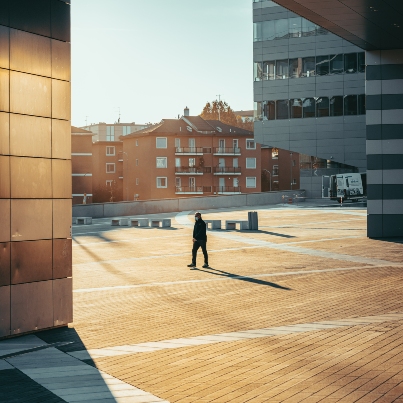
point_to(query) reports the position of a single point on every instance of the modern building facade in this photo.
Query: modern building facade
(377, 28)
(35, 166)
(190, 156)
(81, 165)
(309, 92)
(112, 131)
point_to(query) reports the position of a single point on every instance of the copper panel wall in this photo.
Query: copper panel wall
(31, 306)
(4, 177)
(30, 53)
(30, 136)
(62, 299)
(31, 219)
(5, 311)
(61, 139)
(30, 95)
(5, 220)
(30, 178)
(4, 133)
(31, 261)
(4, 264)
(35, 166)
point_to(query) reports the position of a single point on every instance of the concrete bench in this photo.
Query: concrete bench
(165, 222)
(84, 220)
(122, 222)
(215, 224)
(139, 222)
(231, 224)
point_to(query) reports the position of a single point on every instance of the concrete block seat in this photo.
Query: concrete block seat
(122, 222)
(215, 224)
(139, 222)
(84, 220)
(165, 223)
(231, 224)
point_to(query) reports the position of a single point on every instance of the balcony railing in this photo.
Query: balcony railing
(192, 150)
(192, 170)
(227, 151)
(227, 171)
(189, 189)
(227, 189)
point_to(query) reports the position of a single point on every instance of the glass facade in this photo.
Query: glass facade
(300, 67)
(35, 166)
(316, 107)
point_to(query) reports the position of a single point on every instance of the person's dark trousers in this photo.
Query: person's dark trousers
(196, 246)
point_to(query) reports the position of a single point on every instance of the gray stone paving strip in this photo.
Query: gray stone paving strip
(73, 380)
(226, 278)
(184, 220)
(233, 336)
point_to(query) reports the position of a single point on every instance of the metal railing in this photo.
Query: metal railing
(227, 170)
(227, 189)
(191, 150)
(227, 150)
(192, 170)
(189, 189)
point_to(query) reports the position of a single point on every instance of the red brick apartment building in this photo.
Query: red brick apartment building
(280, 169)
(190, 156)
(81, 165)
(107, 168)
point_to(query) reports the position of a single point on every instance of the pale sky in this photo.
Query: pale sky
(152, 58)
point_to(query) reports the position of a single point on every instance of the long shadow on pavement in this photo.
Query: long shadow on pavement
(233, 276)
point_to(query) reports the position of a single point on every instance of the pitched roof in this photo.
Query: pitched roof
(77, 130)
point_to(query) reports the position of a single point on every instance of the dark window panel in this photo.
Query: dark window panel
(336, 106)
(350, 105)
(295, 68)
(322, 107)
(269, 70)
(350, 63)
(60, 21)
(31, 16)
(336, 64)
(308, 108)
(282, 69)
(361, 62)
(361, 104)
(308, 66)
(270, 110)
(322, 65)
(257, 71)
(282, 109)
(295, 108)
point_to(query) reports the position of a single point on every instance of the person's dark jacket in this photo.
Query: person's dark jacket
(199, 230)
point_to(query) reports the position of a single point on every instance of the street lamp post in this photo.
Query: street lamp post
(270, 176)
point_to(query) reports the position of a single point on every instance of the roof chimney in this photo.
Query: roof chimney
(186, 112)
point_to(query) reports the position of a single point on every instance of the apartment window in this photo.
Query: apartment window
(178, 182)
(293, 163)
(350, 63)
(221, 144)
(251, 182)
(322, 107)
(282, 69)
(275, 170)
(295, 27)
(178, 162)
(161, 162)
(295, 108)
(350, 105)
(110, 133)
(282, 109)
(110, 151)
(269, 70)
(235, 143)
(251, 163)
(192, 162)
(235, 162)
(192, 144)
(308, 108)
(137, 181)
(295, 68)
(250, 144)
(109, 182)
(322, 65)
(161, 142)
(294, 181)
(308, 66)
(336, 64)
(177, 143)
(336, 106)
(137, 162)
(162, 182)
(270, 110)
(274, 153)
(110, 168)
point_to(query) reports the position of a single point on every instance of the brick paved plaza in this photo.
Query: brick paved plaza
(307, 309)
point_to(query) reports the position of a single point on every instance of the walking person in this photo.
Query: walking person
(199, 240)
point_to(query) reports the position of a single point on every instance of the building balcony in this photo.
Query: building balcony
(192, 170)
(189, 190)
(221, 190)
(227, 151)
(192, 150)
(227, 171)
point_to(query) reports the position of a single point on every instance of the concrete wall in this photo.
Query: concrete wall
(181, 204)
(312, 186)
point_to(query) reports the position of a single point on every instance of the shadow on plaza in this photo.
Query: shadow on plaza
(248, 279)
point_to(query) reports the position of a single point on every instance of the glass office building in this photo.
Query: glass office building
(309, 88)
(35, 166)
